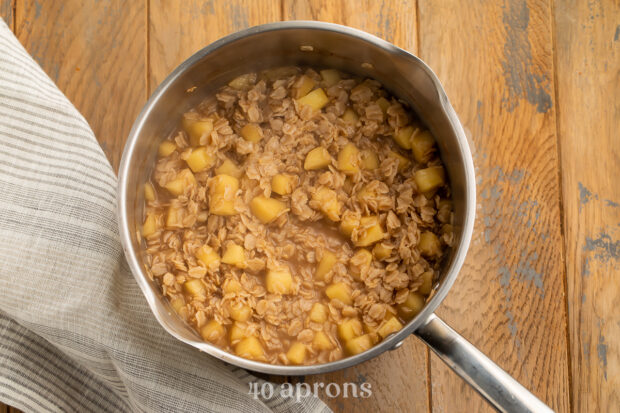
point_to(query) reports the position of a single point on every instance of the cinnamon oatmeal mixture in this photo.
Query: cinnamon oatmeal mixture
(297, 217)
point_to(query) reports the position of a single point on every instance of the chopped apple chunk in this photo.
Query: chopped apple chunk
(283, 184)
(279, 281)
(339, 291)
(315, 99)
(267, 209)
(327, 262)
(317, 158)
(223, 193)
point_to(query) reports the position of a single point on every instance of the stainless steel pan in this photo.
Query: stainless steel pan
(322, 45)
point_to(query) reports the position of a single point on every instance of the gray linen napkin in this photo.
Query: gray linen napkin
(76, 333)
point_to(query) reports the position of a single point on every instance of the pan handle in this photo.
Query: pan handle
(486, 377)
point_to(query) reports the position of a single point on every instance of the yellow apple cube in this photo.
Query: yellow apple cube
(303, 86)
(412, 306)
(429, 179)
(359, 344)
(212, 331)
(150, 225)
(348, 159)
(239, 311)
(223, 193)
(317, 158)
(339, 291)
(350, 328)
(349, 116)
(381, 251)
(422, 146)
(296, 354)
(252, 132)
(362, 259)
(390, 326)
(174, 217)
(315, 99)
(250, 348)
(403, 136)
(427, 283)
(184, 179)
(328, 201)
(195, 288)
(321, 342)
(369, 160)
(229, 168)
(208, 256)
(348, 223)
(166, 148)
(279, 281)
(371, 234)
(232, 286)
(403, 162)
(429, 245)
(179, 306)
(234, 255)
(149, 192)
(267, 209)
(328, 260)
(318, 313)
(236, 333)
(196, 129)
(200, 159)
(283, 184)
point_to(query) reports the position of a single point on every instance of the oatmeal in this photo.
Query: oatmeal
(296, 216)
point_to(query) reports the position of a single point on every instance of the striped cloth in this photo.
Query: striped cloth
(76, 333)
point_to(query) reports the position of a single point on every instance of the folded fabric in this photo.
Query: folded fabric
(76, 333)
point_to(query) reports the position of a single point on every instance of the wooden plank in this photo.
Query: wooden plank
(7, 12)
(394, 21)
(96, 57)
(179, 29)
(398, 379)
(588, 62)
(495, 61)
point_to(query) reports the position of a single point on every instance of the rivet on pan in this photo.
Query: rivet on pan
(367, 65)
(397, 345)
(306, 48)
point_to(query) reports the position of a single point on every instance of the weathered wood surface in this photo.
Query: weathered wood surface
(6, 12)
(496, 63)
(588, 86)
(535, 84)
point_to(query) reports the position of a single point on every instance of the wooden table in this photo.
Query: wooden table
(536, 85)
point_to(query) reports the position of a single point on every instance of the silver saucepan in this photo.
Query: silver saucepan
(321, 45)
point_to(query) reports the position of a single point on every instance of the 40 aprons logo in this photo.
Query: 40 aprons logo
(298, 391)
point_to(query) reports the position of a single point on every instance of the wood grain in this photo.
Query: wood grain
(495, 61)
(394, 21)
(179, 29)
(517, 97)
(6, 12)
(588, 67)
(96, 56)
(398, 378)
